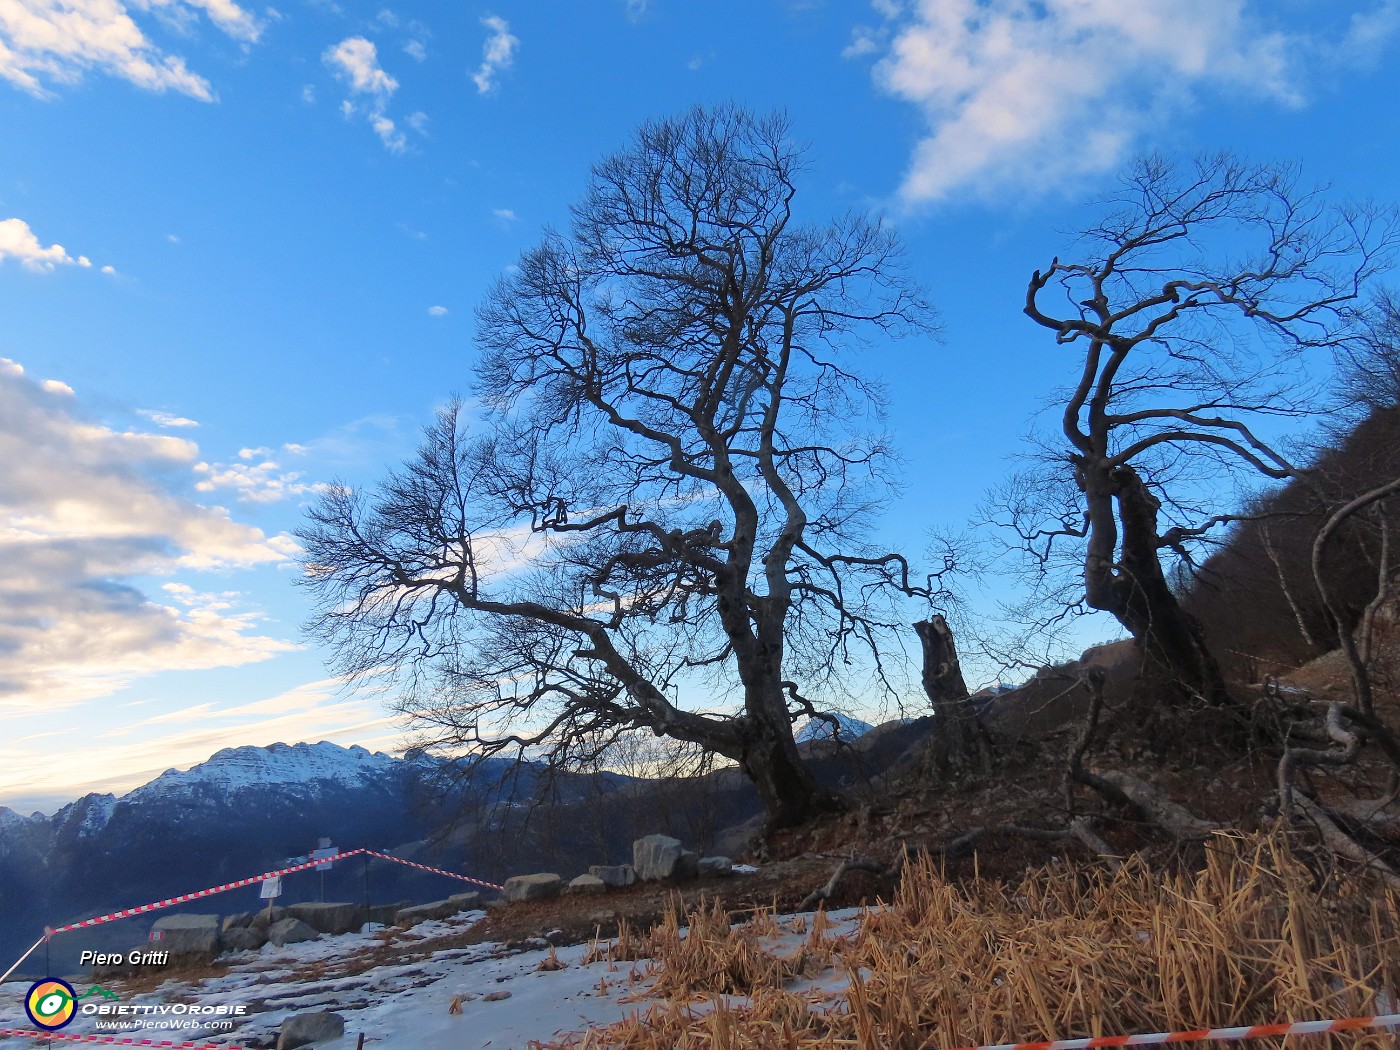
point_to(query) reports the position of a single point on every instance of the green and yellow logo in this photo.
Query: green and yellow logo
(51, 1004)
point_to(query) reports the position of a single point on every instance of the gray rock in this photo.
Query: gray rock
(241, 921)
(588, 884)
(330, 918)
(305, 1029)
(291, 931)
(466, 901)
(190, 935)
(688, 866)
(243, 939)
(265, 918)
(614, 876)
(655, 857)
(533, 887)
(422, 912)
(387, 914)
(712, 866)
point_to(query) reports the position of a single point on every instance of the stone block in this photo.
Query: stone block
(655, 857)
(615, 876)
(422, 912)
(715, 866)
(188, 935)
(306, 1029)
(330, 918)
(540, 886)
(687, 865)
(243, 939)
(291, 931)
(241, 921)
(588, 884)
(387, 914)
(265, 918)
(466, 901)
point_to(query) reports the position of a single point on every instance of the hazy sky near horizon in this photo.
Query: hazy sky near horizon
(240, 247)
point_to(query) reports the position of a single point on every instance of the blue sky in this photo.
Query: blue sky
(240, 248)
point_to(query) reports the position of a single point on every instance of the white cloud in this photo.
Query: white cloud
(504, 214)
(56, 386)
(496, 54)
(355, 60)
(19, 242)
(135, 753)
(416, 50)
(418, 122)
(1027, 95)
(308, 94)
(59, 40)
(86, 510)
(262, 482)
(165, 419)
(437, 311)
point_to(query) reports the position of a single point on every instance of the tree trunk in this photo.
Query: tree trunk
(960, 743)
(791, 794)
(1135, 591)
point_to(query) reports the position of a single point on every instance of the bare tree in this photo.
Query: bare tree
(1191, 303)
(674, 488)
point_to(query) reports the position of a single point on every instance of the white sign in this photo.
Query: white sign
(271, 888)
(322, 854)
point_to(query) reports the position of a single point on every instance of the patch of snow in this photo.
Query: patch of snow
(278, 764)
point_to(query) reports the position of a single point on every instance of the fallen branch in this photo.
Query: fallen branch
(1171, 817)
(1340, 843)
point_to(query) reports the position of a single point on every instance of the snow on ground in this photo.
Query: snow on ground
(405, 1006)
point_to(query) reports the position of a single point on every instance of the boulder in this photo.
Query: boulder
(715, 866)
(330, 918)
(588, 884)
(614, 876)
(241, 921)
(533, 887)
(687, 866)
(466, 901)
(422, 912)
(655, 857)
(387, 914)
(188, 934)
(243, 939)
(265, 918)
(291, 931)
(305, 1029)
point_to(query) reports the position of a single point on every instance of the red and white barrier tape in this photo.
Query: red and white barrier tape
(435, 871)
(110, 1039)
(171, 901)
(1257, 1031)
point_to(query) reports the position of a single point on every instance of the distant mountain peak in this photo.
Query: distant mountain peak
(821, 729)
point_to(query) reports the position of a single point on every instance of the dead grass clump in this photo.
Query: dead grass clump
(1066, 952)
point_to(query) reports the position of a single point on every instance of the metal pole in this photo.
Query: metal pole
(26, 955)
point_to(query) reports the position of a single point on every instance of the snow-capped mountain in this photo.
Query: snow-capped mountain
(241, 812)
(848, 729)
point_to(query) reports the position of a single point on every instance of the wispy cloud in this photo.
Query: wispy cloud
(165, 419)
(1029, 96)
(59, 40)
(355, 60)
(182, 737)
(263, 481)
(86, 510)
(497, 53)
(437, 311)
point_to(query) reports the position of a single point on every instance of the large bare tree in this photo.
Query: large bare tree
(1191, 306)
(673, 486)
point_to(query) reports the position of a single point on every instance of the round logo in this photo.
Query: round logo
(50, 1004)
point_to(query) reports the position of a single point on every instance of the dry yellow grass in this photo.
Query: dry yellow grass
(1069, 951)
